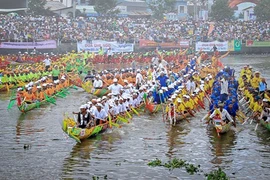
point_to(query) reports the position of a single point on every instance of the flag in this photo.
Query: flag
(149, 106)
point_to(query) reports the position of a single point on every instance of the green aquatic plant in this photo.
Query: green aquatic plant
(217, 175)
(154, 163)
(176, 163)
(190, 168)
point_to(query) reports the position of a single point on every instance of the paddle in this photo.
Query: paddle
(174, 114)
(122, 119)
(162, 106)
(256, 126)
(12, 100)
(129, 116)
(38, 104)
(246, 120)
(7, 87)
(50, 99)
(74, 87)
(135, 111)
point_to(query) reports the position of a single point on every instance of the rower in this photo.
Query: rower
(224, 115)
(265, 114)
(88, 77)
(115, 88)
(139, 79)
(40, 93)
(162, 78)
(29, 96)
(100, 115)
(98, 84)
(231, 110)
(122, 106)
(84, 118)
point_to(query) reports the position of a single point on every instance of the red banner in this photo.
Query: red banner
(148, 43)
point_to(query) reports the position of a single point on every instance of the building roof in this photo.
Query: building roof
(250, 7)
(134, 3)
(12, 10)
(55, 5)
(139, 13)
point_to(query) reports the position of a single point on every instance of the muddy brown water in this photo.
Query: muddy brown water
(33, 145)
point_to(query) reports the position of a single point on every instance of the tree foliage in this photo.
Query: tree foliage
(106, 7)
(37, 7)
(262, 10)
(160, 7)
(221, 11)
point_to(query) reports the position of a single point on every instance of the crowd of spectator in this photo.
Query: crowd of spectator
(125, 30)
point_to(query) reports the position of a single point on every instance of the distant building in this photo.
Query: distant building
(12, 5)
(131, 8)
(62, 7)
(180, 10)
(249, 13)
(135, 8)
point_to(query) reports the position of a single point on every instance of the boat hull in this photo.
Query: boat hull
(266, 125)
(79, 134)
(220, 129)
(101, 92)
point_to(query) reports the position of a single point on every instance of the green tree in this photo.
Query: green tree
(106, 7)
(37, 7)
(221, 11)
(160, 7)
(262, 10)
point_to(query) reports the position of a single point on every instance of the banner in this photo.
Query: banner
(208, 46)
(251, 43)
(237, 45)
(149, 43)
(50, 44)
(234, 45)
(94, 46)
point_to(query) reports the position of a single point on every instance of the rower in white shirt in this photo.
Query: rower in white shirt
(98, 84)
(100, 115)
(93, 108)
(225, 116)
(139, 79)
(112, 110)
(105, 104)
(126, 88)
(130, 101)
(115, 88)
(116, 107)
(190, 85)
(122, 106)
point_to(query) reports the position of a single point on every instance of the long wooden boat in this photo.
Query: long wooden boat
(101, 92)
(88, 87)
(25, 107)
(182, 117)
(7, 87)
(4, 87)
(219, 127)
(266, 125)
(79, 134)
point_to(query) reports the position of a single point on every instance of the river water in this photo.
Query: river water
(124, 153)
